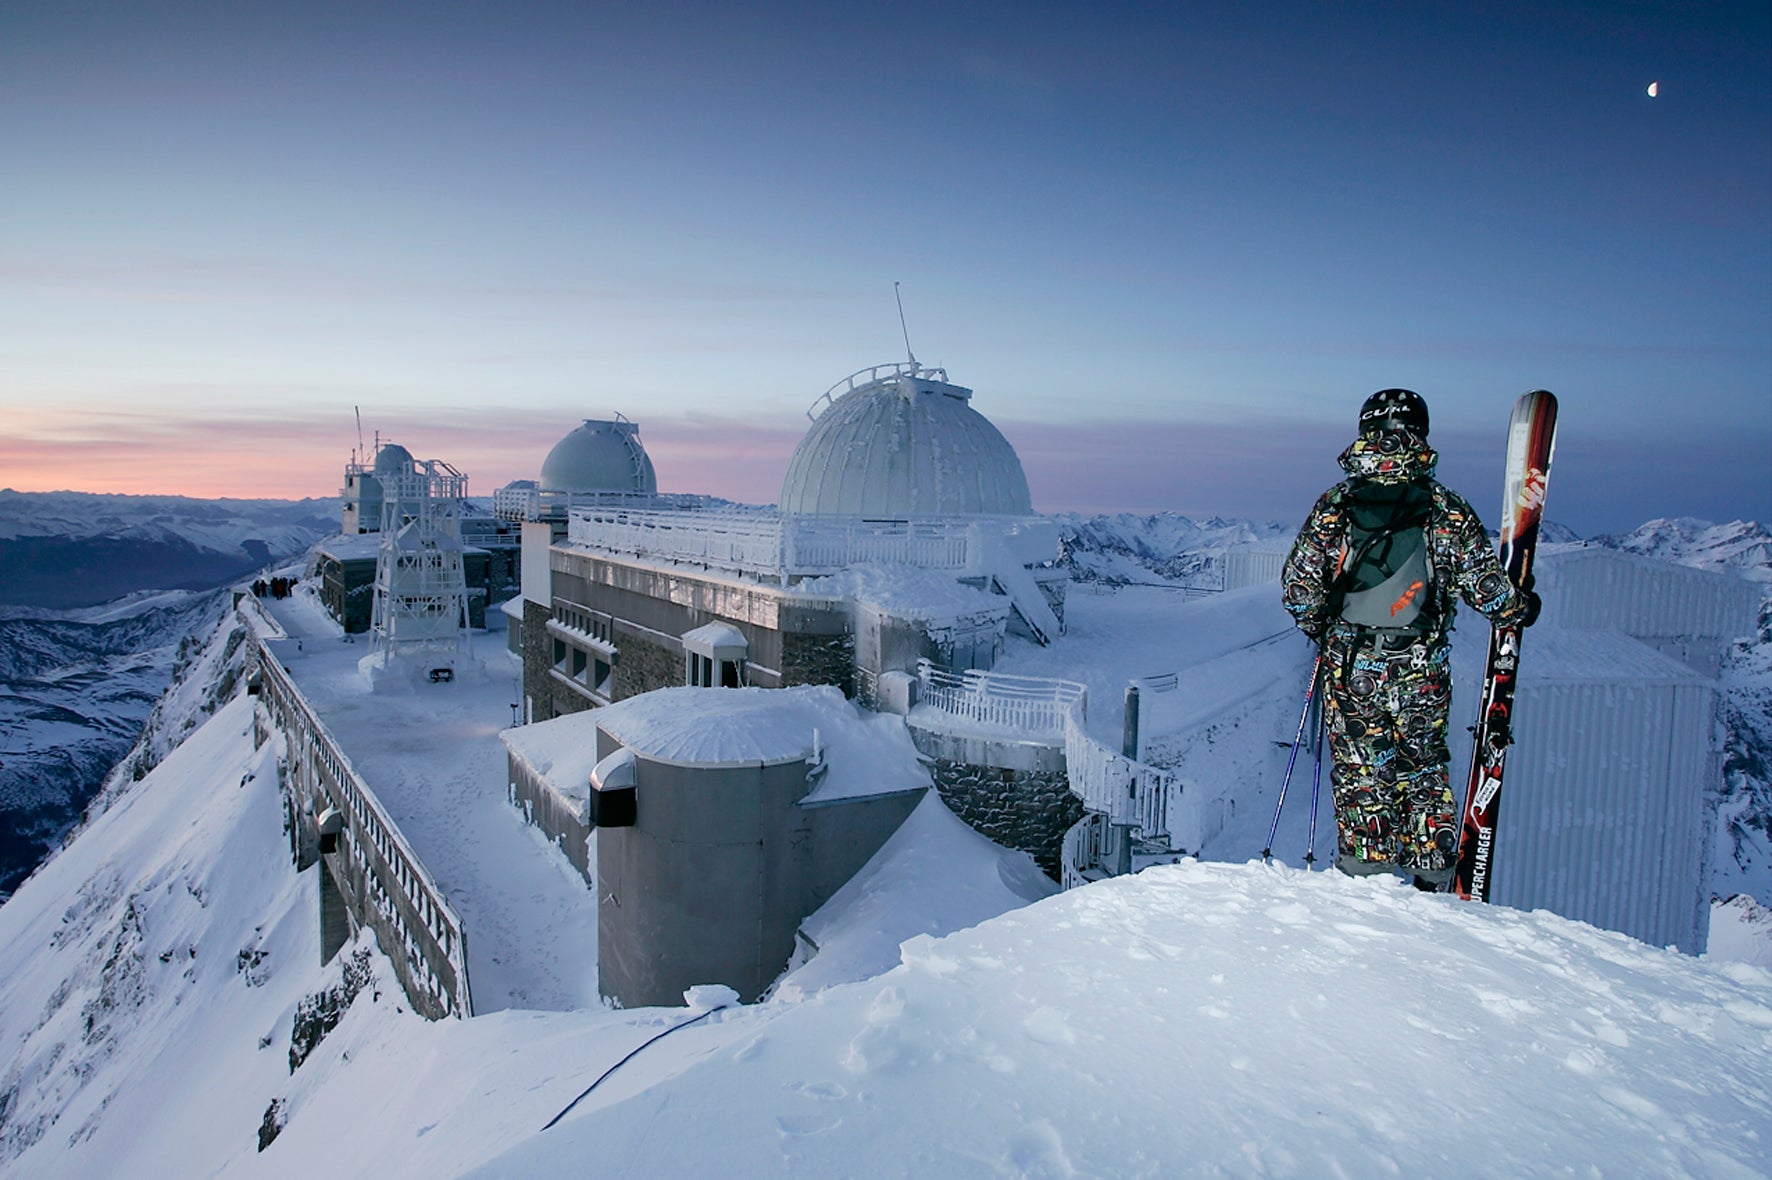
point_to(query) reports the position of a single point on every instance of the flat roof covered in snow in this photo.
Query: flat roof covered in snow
(864, 753)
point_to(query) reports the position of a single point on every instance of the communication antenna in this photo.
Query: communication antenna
(901, 327)
(358, 410)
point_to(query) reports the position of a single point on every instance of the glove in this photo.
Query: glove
(1533, 605)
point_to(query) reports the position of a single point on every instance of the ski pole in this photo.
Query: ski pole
(1267, 852)
(1310, 855)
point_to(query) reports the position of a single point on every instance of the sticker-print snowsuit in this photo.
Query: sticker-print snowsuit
(1386, 695)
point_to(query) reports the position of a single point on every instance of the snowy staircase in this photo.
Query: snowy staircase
(1011, 578)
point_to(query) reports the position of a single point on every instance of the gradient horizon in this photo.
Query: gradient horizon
(1170, 250)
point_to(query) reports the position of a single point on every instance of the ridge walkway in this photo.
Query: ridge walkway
(430, 753)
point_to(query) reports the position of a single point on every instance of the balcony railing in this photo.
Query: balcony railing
(1032, 708)
(767, 545)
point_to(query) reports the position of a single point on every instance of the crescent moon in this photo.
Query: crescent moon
(1654, 89)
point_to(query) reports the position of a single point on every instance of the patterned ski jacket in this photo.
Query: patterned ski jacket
(1464, 563)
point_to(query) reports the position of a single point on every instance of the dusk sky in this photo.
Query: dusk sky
(1170, 246)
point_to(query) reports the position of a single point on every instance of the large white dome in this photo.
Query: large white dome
(600, 456)
(899, 441)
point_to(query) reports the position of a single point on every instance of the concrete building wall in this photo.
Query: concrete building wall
(691, 893)
(717, 873)
(788, 640)
(844, 837)
(559, 819)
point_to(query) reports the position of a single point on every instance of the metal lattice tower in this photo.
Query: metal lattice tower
(421, 589)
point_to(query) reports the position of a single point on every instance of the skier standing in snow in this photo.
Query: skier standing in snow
(1373, 578)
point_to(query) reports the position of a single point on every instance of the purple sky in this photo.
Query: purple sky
(1172, 247)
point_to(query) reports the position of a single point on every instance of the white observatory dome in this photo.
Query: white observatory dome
(600, 456)
(899, 441)
(393, 459)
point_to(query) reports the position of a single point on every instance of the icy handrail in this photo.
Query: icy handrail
(1126, 791)
(770, 545)
(1030, 705)
(862, 378)
(400, 871)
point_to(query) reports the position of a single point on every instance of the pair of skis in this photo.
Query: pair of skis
(1531, 441)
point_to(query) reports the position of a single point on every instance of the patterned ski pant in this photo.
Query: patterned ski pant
(1385, 713)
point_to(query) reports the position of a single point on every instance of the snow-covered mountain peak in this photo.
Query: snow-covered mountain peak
(1741, 546)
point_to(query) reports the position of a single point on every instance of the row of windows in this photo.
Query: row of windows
(594, 623)
(595, 671)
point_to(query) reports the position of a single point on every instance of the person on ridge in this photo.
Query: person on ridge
(1373, 578)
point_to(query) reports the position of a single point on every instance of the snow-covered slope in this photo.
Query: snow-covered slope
(75, 687)
(1200, 1019)
(68, 549)
(1194, 1020)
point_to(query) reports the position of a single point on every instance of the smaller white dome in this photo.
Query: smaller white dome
(393, 459)
(600, 456)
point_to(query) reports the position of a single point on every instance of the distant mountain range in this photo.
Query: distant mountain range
(1741, 546)
(1162, 548)
(73, 549)
(97, 595)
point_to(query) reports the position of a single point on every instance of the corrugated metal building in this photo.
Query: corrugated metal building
(1690, 614)
(1247, 566)
(1606, 816)
(1603, 817)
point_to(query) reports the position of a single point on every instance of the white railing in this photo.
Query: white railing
(872, 375)
(424, 935)
(1034, 708)
(1127, 792)
(518, 504)
(729, 541)
(767, 545)
(828, 545)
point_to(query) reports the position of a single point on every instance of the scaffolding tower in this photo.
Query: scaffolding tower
(421, 589)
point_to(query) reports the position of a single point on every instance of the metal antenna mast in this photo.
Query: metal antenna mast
(358, 410)
(901, 327)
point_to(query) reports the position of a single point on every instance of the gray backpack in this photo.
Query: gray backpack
(1385, 579)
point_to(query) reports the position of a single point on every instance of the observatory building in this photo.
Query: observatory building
(389, 494)
(903, 445)
(361, 499)
(904, 550)
(599, 461)
(897, 470)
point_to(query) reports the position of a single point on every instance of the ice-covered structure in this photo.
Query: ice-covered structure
(360, 501)
(1605, 815)
(599, 461)
(897, 470)
(896, 442)
(421, 585)
(719, 819)
(346, 565)
(905, 549)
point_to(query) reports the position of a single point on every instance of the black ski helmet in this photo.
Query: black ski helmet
(1390, 409)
